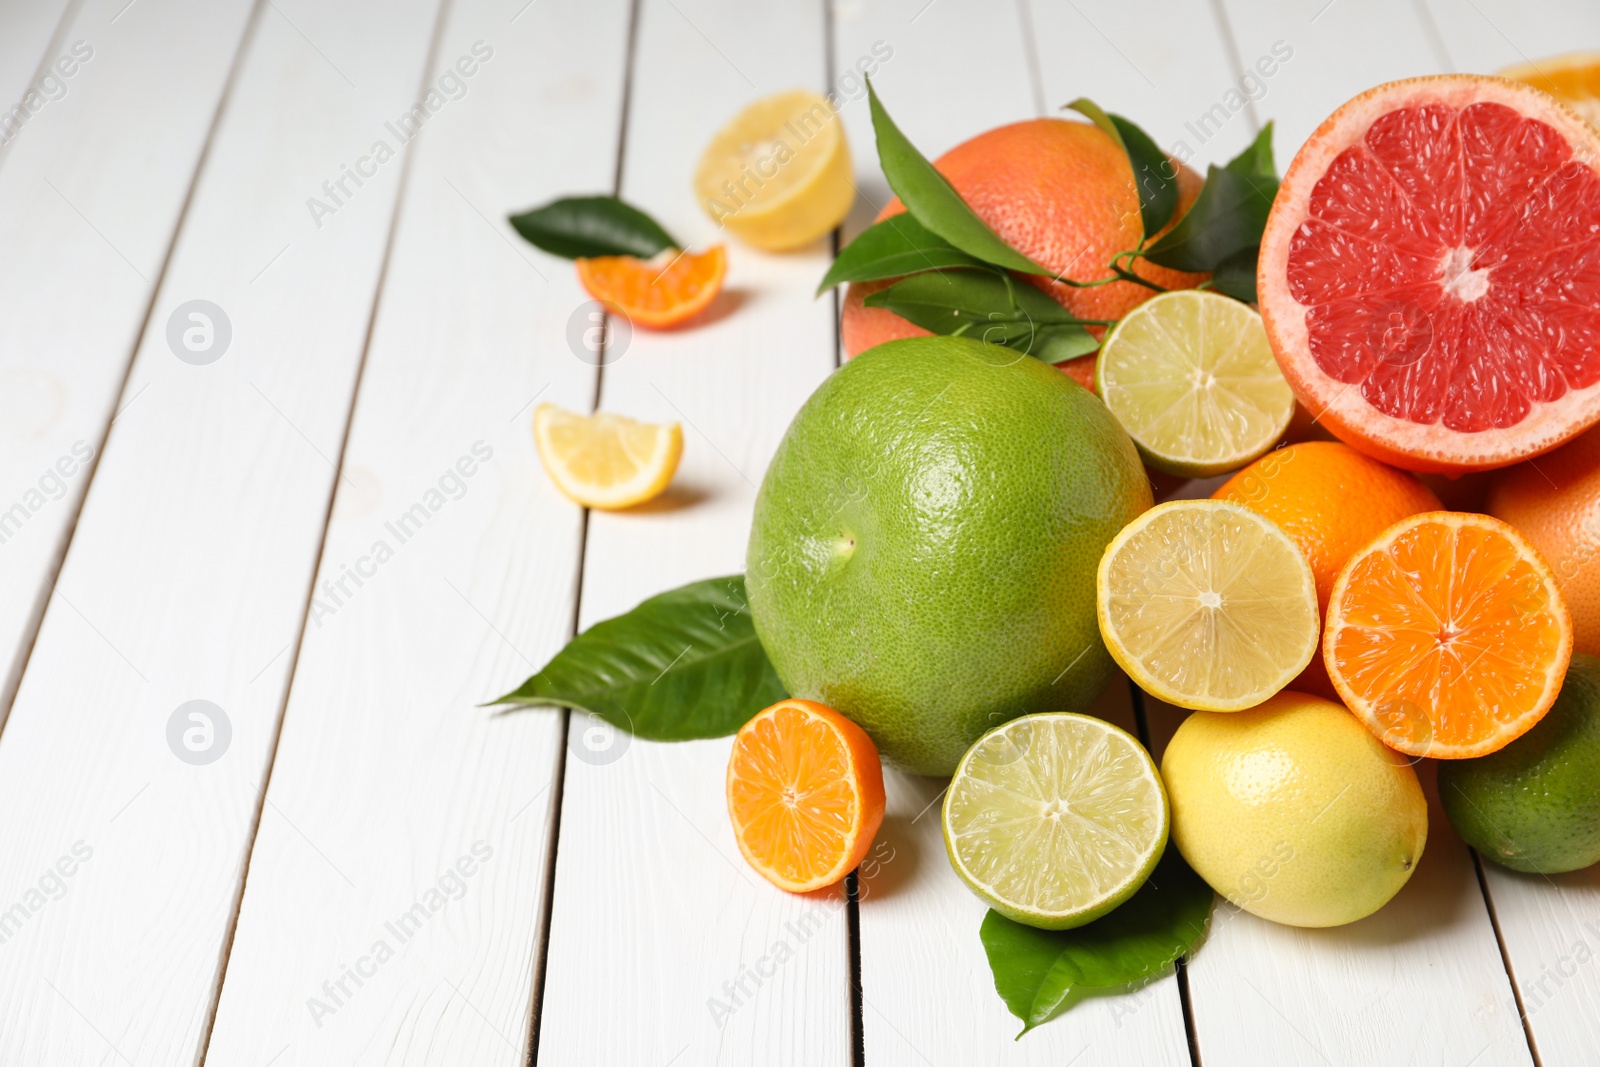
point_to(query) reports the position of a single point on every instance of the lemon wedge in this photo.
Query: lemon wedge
(606, 461)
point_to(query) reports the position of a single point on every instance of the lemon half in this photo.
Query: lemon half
(606, 461)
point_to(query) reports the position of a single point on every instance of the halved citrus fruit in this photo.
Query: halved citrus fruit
(606, 461)
(1055, 819)
(1430, 271)
(778, 175)
(1447, 635)
(1191, 377)
(1207, 605)
(665, 291)
(805, 793)
(1574, 79)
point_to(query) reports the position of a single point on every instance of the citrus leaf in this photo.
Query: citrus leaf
(684, 664)
(1236, 275)
(1037, 971)
(1153, 175)
(933, 201)
(894, 247)
(1228, 216)
(988, 307)
(580, 227)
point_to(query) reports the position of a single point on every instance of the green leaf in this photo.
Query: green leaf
(1153, 174)
(684, 664)
(933, 201)
(1037, 971)
(1236, 275)
(894, 247)
(580, 227)
(1228, 216)
(988, 307)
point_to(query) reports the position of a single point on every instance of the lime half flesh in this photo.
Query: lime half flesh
(1191, 377)
(1054, 819)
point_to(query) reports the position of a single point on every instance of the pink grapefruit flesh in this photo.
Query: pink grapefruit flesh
(1430, 273)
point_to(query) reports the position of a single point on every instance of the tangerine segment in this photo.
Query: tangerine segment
(658, 293)
(1447, 635)
(805, 793)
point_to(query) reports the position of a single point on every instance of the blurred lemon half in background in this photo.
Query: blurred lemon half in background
(778, 175)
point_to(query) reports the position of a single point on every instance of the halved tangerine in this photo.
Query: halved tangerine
(1447, 635)
(1430, 273)
(805, 793)
(657, 293)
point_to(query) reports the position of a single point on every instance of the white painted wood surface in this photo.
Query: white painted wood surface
(26, 35)
(654, 909)
(385, 761)
(91, 187)
(207, 538)
(188, 571)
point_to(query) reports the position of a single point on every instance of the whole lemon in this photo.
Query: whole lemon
(1293, 811)
(924, 545)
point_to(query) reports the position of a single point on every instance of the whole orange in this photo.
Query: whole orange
(1554, 501)
(1331, 500)
(1062, 193)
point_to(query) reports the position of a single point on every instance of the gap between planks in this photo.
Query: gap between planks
(435, 36)
(542, 939)
(46, 591)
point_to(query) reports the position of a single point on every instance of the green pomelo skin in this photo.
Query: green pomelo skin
(924, 546)
(1535, 805)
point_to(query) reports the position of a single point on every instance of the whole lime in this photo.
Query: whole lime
(1293, 811)
(924, 545)
(1535, 804)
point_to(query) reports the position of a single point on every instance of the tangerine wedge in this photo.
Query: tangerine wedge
(805, 793)
(1447, 635)
(656, 293)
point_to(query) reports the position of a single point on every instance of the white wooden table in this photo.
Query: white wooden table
(370, 868)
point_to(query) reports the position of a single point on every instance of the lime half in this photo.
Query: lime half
(1207, 605)
(1055, 819)
(1191, 377)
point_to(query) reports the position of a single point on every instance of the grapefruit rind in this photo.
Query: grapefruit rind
(1401, 735)
(1339, 405)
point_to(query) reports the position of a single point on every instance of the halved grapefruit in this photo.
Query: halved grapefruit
(1430, 273)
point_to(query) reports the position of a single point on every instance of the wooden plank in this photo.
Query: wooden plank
(27, 33)
(1171, 74)
(382, 719)
(191, 563)
(91, 189)
(653, 907)
(1423, 978)
(1549, 927)
(920, 952)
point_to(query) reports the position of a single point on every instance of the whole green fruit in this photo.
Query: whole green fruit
(924, 545)
(1535, 804)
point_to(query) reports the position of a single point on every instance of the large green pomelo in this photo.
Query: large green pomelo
(924, 547)
(1535, 804)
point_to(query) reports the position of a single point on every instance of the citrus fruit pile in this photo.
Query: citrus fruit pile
(952, 545)
(956, 546)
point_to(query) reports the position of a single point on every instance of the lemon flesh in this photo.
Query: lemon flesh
(606, 461)
(1191, 377)
(1207, 605)
(1054, 819)
(778, 175)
